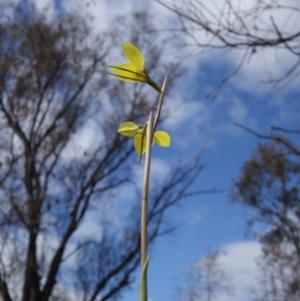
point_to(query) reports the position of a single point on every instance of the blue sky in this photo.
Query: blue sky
(206, 222)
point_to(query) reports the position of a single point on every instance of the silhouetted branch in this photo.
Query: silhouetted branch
(280, 139)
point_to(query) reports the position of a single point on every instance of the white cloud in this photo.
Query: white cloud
(288, 108)
(100, 13)
(231, 109)
(46, 6)
(188, 119)
(89, 228)
(237, 262)
(103, 12)
(180, 111)
(240, 260)
(237, 111)
(83, 141)
(7, 9)
(158, 171)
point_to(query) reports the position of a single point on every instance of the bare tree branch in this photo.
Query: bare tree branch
(226, 26)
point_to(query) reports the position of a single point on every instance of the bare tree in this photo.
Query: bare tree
(269, 185)
(206, 280)
(247, 26)
(54, 90)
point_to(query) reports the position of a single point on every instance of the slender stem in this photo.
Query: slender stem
(145, 192)
(149, 137)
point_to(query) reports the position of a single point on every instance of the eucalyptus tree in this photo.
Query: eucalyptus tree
(64, 167)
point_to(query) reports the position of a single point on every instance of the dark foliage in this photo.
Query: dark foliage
(269, 185)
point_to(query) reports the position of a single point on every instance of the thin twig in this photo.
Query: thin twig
(254, 132)
(279, 139)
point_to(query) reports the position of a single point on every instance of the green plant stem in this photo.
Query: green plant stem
(143, 288)
(145, 193)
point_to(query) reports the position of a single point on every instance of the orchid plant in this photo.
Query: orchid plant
(134, 70)
(144, 137)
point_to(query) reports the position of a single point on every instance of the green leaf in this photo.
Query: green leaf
(162, 138)
(139, 141)
(128, 129)
(143, 289)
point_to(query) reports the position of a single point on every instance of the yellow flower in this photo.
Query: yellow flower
(133, 71)
(130, 129)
